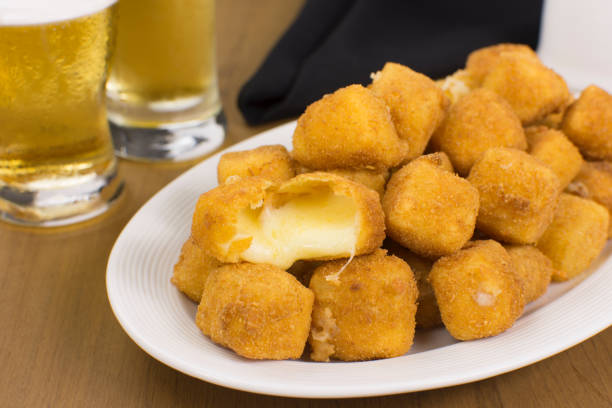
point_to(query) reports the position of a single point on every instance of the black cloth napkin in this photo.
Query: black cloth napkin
(334, 43)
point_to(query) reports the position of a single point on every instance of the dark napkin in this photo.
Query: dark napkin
(334, 43)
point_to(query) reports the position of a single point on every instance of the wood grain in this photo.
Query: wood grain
(60, 345)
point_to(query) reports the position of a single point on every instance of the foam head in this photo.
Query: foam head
(32, 12)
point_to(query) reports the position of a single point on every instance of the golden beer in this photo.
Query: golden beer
(163, 76)
(164, 64)
(56, 155)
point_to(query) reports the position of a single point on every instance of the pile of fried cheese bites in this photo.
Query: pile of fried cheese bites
(407, 203)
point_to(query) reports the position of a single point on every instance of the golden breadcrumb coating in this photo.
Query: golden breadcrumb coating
(364, 311)
(533, 269)
(373, 179)
(588, 123)
(477, 291)
(427, 314)
(428, 209)
(311, 216)
(457, 85)
(532, 89)
(417, 105)
(576, 236)
(351, 128)
(481, 61)
(478, 122)
(552, 148)
(518, 195)
(192, 269)
(554, 120)
(439, 159)
(271, 162)
(259, 311)
(594, 181)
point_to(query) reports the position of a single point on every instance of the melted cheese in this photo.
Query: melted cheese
(307, 226)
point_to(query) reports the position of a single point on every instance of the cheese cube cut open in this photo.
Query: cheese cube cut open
(314, 216)
(315, 225)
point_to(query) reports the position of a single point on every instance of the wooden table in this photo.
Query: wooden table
(60, 345)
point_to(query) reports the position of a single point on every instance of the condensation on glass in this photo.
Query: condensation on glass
(162, 94)
(56, 156)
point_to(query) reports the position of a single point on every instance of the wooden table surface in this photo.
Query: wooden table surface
(60, 345)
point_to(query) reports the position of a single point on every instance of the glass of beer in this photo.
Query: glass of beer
(162, 95)
(56, 156)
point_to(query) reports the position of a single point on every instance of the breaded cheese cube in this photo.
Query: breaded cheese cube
(477, 291)
(532, 89)
(533, 269)
(594, 181)
(457, 85)
(481, 61)
(588, 123)
(417, 105)
(364, 311)
(428, 209)
(552, 148)
(351, 128)
(272, 162)
(427, 314)
(313, 216)
(192, 269)
(259, 311)
(476, 123)
(518, 195)
(576, 236)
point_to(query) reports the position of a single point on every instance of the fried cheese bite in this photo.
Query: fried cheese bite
(533, 269)
(272, 162)
(481, 61)
(476, 123)
(427, 314)
(428, 209)
(259, 311)
(576, 236)
(532, 89)
(588, 123)
(192, 269)
(477, 291)
(351, 128)
(365, 311)
(417, 105)
(594, 181)
(552, 148)
(518, 195)
(313, 216)
(457, 85)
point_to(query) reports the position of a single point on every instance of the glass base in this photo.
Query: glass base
(61, 201)
(176, 142)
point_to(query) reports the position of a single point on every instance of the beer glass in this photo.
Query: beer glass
(56, 156)
(162, 96)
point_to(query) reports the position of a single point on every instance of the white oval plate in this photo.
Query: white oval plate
(161, 320)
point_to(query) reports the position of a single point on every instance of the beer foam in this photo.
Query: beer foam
(33, 12)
